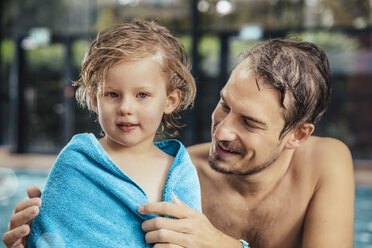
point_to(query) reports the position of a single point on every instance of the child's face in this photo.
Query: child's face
(133, 101)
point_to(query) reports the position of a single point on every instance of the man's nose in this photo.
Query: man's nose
(126, 106)
(225, 130)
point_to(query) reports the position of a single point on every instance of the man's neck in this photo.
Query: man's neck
(257, 186)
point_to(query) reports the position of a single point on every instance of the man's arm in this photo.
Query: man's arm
(189, 229)
(24, 212)
(329, 221)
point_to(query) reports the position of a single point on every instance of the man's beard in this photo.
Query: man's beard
(214, 158)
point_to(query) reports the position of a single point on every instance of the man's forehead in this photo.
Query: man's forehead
(243, 70)
(242, 73)
(251, 94)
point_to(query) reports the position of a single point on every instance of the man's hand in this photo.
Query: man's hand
(24, 212)
(190, 228)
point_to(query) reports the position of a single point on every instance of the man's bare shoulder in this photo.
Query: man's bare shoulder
(329, 217)
(323, 149)
(199, 154)
(324, 156)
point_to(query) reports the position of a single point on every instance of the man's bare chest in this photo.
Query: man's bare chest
(270, 223)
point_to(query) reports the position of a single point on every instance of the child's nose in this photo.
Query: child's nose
(126, 106)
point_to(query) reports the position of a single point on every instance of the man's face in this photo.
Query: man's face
(246, 125)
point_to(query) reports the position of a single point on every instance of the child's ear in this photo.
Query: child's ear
(173, 100)
(299, 135)
(94, 102)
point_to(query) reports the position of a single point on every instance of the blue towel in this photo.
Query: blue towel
(89, 202)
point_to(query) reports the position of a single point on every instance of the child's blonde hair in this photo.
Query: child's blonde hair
(131, 41)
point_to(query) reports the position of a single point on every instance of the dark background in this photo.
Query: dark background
(43, 43)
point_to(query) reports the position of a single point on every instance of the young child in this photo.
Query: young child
(135, 77)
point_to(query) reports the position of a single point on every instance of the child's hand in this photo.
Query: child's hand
(21, 220)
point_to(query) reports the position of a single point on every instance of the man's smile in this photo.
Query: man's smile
(224, 150)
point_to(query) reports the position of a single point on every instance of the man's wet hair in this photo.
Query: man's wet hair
(300, 71)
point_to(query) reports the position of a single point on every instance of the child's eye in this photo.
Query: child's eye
(112, 94)
(142, 95)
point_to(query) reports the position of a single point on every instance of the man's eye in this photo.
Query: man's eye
(142, 95)
(248, 124)
(224, 106)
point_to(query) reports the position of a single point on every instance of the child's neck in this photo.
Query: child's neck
(145, 164)
(114, 148)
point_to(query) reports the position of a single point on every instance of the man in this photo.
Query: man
(264, 178)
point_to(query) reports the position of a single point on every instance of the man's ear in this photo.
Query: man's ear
(173, 101)
(299, 135)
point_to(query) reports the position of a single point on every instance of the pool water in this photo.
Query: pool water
(363, 217)
(13, 186)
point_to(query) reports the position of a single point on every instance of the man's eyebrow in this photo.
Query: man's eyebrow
(249, 118)
(221, 96)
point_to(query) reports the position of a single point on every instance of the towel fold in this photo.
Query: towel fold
(89, 202)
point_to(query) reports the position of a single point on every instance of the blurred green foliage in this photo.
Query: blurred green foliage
(7, 51)
(79, 48)
(48, 57)
(329, 40)
(186, 41)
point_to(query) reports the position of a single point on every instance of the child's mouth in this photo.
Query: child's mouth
(127, 127)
